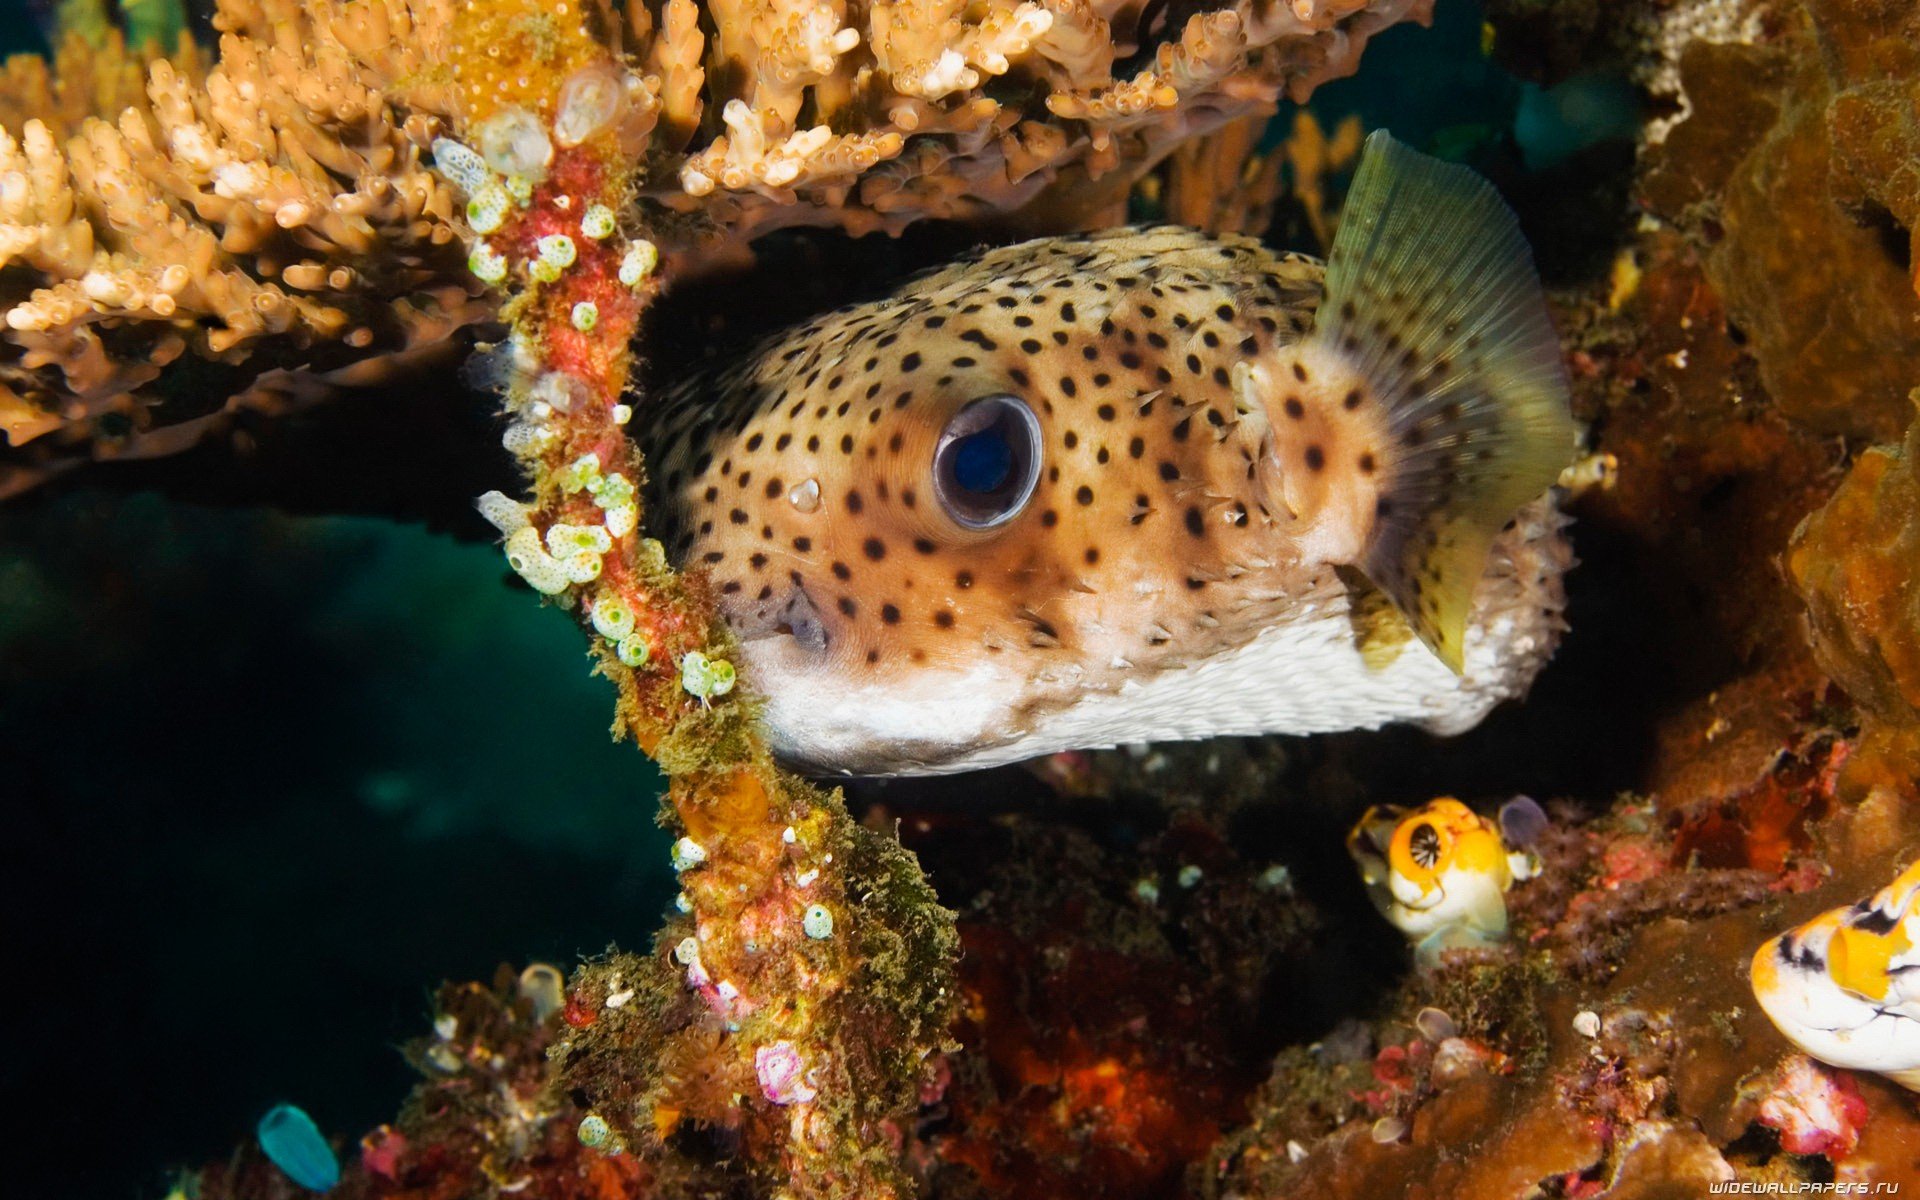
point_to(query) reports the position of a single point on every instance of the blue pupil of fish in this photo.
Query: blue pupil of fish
(982, 461)
(987, 461)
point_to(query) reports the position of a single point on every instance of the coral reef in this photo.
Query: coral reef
(1169, 981)
(268, 226)
(229, 237)
(1080, 953)
(1764, 306)
(485, 1120)
(251, 233)
(1619, 1051)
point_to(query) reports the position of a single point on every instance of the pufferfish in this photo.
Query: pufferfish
(1845, 986)
(1139, 485)
(1439, 873)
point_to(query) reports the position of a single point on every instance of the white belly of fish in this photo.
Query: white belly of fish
(1307, 673)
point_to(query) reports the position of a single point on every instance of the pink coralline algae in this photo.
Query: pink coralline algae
(782, 1074)
(1816, 1110)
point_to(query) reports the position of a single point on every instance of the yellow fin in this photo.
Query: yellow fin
(1432, 297)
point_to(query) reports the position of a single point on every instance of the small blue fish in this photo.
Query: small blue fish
(295, 1144)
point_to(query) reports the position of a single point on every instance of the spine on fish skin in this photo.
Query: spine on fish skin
(1430, 400)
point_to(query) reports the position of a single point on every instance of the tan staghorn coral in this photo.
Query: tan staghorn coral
(269, 219)
(1066, 102)
(274, 214)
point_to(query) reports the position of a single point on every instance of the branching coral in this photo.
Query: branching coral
(237, 238)
(246, 235)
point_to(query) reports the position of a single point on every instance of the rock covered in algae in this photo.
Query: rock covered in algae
(1118, 1001)
(1797, 168)
(482, 1121)
(1857, 560)
(1611, 1049)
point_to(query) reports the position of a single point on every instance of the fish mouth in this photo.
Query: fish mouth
(844, 725)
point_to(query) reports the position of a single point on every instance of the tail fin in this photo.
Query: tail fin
(1431, 295)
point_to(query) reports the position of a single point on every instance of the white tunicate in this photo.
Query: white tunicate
(502, 512)
(524, 438)
(623, 520)
(612, 490)
(1147, 890)
(589, 101)
(513, 143)
(805, 496)
(612, 619)
(564, 539)
(583, 567)
(633, 650)
(530, 560)
(1389, 1129)
(488, 265)
(543, 987)
(622, 413)
(1435, 1025)
(594, 1132)
(683, 902)
(558, 390)
(462, 164)
(580, 475)
(586, 315)
(687, 854)
(521, 189)
(597, 222)
(705, 677)
(1586, 1023)
(1190, 876)
(817, 922)
(487, 208)
(638, 263)
(687, 952)
(558, 249)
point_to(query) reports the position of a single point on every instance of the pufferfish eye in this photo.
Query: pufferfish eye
(987, 461)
